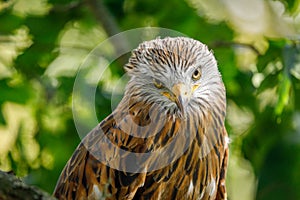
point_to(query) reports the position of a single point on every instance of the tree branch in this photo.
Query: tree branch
(234, 44)
(108, 23)
(12, 188)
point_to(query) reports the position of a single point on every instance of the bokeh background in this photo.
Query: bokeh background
(256, 43)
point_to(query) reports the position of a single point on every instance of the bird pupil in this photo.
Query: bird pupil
(196, 74)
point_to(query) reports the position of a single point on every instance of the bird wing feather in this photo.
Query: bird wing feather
(195, 173)
(85, 177)
(221, 193)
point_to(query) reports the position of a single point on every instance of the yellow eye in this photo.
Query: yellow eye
(157, 84)
(197, 74)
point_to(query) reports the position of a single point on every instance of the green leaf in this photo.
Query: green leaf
(9, 22)
(18, 93)
(291, 57)
(273, 53)
(2, 120)
(283, 94)
(270, 81)
(291, 5)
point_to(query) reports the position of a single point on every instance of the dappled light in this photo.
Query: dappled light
(44, 45)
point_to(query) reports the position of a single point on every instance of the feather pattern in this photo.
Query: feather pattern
(146, 121)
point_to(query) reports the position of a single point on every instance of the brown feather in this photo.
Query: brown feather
(140, 126)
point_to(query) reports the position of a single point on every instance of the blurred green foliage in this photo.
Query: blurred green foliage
(42, 44)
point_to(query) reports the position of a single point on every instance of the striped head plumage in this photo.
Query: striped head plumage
(176, 70)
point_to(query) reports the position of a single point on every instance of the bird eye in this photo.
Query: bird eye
(157, 84)
(197, 74)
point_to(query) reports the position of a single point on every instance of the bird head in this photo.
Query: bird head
(179, 74)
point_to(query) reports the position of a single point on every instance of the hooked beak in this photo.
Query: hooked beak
(180, 94)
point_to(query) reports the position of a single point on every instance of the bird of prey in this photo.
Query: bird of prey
(166, 139)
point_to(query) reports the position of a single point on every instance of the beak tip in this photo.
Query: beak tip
(179, 102)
